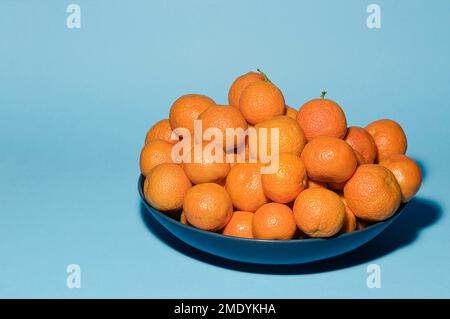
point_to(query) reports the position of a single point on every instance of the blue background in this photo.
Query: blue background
(75, 105)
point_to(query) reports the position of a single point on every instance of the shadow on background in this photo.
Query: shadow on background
(423, 169)
(419, 213)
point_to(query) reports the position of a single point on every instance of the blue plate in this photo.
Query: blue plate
(275, 252)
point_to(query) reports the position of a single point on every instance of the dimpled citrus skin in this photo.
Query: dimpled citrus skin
(289, 180)
(389, 138)
(261, 101)
(291, 138)
(362, 143)
(319, 212)
(320, 117)
(240, 84)
(240, 225)
(165, 187)
(186, 109)
(291, 112)
(223, 117)
(329, 159)
(207, 206)
(154, 153)
(372, 193)
(160, 131)
(209, 170)
(245, 186)
(407, 172)
(274, 221)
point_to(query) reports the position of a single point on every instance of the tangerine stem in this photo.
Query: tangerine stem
(266, 78)
(322, 96)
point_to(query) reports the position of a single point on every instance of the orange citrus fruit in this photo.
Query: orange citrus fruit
(240, 225)
(211, 167)
(362, 143)
(360, 159)
(319, 212)
(261, 101)
(290, 136)
(372, 193)
(224, 117)
(322, 117)
(183, 219)
(329, 159)
(349, 224)
(240, 84)
(288, 181)
(239, 155)
(165, 187)
(154, 153)
(207, 206)
(160, 131)
(389, 138)
(245, 186)
(407, 172)
(186, 109)
(291, 112)
(274, 221)
(313, 184)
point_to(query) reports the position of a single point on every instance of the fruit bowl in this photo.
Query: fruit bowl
(258, 251)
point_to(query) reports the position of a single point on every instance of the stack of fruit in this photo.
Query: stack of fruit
(330, 178)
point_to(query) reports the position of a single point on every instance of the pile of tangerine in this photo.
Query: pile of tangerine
(331, 178)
